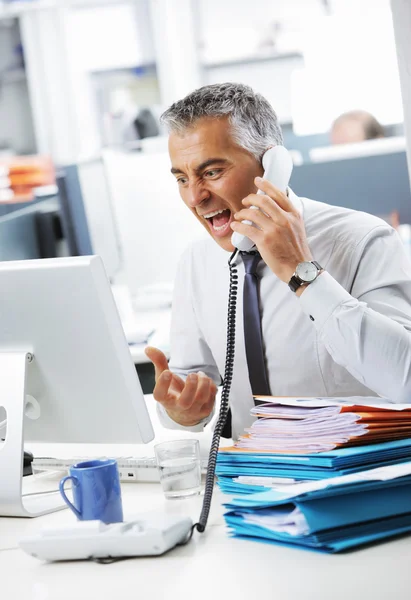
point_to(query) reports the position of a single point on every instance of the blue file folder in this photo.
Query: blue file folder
(337, 517)
(331, 542)
(313, 466)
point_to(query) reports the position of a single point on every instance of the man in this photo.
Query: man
(355, 126)
(347, 333)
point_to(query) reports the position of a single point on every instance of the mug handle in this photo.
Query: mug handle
(63, 493)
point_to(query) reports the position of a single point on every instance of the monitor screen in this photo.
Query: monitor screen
(87, 216)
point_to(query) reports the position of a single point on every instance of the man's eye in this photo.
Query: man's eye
(181, 180)
(212, 172)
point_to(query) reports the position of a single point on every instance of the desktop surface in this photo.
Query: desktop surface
(212, 565)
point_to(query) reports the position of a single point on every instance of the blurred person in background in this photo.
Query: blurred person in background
(355, 126)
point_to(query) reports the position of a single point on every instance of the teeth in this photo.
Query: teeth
(219, 228)
(213, 214)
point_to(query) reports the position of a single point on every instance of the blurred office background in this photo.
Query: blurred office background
(83, 157)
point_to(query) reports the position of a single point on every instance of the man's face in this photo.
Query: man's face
(213, 174)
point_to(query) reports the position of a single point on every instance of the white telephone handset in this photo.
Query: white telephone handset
(278, 166)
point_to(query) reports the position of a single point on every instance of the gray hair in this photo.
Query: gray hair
(253, 120)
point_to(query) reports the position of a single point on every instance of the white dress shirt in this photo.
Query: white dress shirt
(347, 334)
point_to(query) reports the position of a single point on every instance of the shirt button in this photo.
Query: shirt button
(312, 318)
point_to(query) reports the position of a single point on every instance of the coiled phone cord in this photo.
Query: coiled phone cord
(222, 417)
(225, 397)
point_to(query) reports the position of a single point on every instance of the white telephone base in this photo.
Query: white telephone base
(151, 535)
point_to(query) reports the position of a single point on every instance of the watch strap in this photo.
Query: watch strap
(294, 283)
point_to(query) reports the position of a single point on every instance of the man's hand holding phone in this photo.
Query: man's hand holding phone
(186, 402)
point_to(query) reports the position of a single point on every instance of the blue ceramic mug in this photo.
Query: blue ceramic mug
(96, 491)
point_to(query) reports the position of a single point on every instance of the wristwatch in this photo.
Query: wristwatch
(305, 273)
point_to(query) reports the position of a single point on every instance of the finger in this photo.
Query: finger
(203, 391)
(249, 231)
(186, 398)
(177, 383)
(195, 398)
(204, 399)
(207, 407)
(161, 389)
(266, 205)
(256, 216)
(280, 197)
(158, 359)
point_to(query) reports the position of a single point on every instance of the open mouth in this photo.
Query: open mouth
(219, 221)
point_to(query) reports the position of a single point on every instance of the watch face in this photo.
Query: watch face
(306, 271)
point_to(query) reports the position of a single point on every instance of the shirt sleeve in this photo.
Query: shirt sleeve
(167, 422)
(189, 350)
(367, 331)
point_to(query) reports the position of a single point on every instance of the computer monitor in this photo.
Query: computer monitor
(31, 232)
(66, 373)
(87, 216)
(18, 236)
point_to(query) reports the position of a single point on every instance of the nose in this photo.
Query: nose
(197, 193)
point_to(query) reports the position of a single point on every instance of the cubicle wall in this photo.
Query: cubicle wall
(154, 224)
(375, 184)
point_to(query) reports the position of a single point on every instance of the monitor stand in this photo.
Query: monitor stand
(13, 373)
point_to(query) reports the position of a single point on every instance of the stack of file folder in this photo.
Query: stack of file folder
(315, 425)
(242, 472)
(330, 516)
(320, 473)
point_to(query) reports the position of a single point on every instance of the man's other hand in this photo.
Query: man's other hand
(186, 402)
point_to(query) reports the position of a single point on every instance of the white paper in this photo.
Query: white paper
(379, 474)
(279, 519)
(328, 402)
(266, 481)
(310, 425)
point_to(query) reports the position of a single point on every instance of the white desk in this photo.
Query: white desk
(212, 565)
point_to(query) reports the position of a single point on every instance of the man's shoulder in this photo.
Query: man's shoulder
(338, 223)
